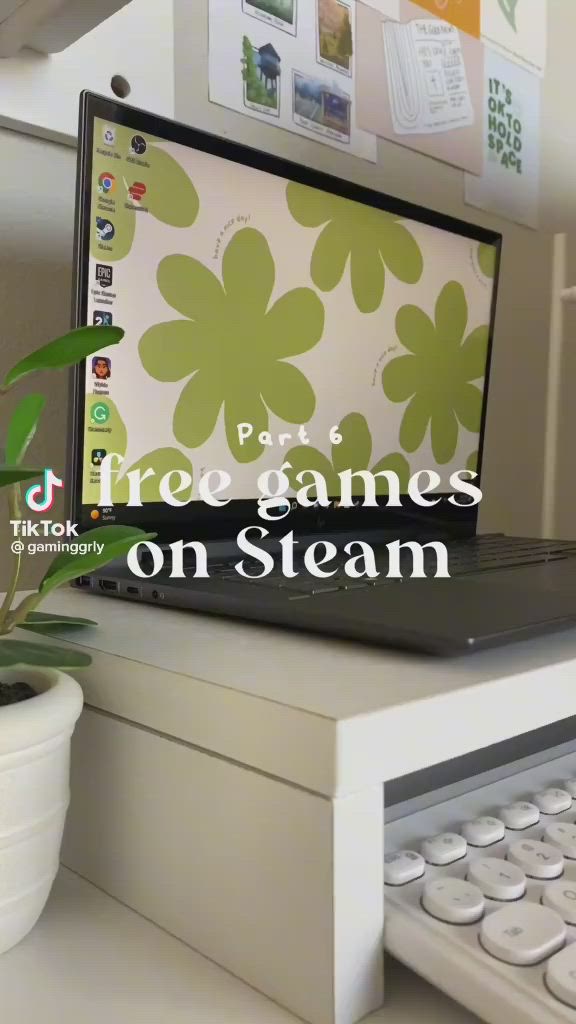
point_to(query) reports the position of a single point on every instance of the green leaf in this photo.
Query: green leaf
(116, 541)
(20, 652)
(487, 259)
(13, 474)
(42, 622)
(65, 351)
(22, 427)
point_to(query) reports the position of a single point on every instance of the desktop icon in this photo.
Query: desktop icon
(102, 318)
(106, 183)
(109, 134)
(138, 145)
(103, 275)
(100, 413)
(105, 229)
(40, 497)
(98, 455)
(101, 367)
(137, 191)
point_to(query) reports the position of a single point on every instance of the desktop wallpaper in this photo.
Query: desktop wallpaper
(250, 299)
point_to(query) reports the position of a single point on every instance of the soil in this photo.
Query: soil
(13, 693)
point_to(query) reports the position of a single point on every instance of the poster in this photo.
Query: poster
(517, 29)
(464, 14)
(427, 81)
(290, 63)
(510, 184)
(420, 83)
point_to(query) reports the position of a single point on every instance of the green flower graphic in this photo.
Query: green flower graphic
(372, 239)
(487, 259)
(233, 346)
(162, 461)
(169, 195)
(436, 378)
(354, 452)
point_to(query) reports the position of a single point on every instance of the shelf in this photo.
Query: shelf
(328, 715)
(90, 959)
(39, 93)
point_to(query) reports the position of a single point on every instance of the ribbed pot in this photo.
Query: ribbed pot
(34, 795)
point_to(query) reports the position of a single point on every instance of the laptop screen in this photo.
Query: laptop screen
(273, 317)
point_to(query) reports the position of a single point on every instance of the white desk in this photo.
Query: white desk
(331, 716)
(228, 781)
(92, 960)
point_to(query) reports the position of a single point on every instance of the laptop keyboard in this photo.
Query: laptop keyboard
(481, 555)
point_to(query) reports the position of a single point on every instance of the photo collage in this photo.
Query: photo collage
(291, 63)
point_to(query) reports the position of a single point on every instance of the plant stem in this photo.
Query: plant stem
(20, 614)
(14, 513)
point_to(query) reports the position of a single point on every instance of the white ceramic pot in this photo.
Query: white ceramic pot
(34, 795)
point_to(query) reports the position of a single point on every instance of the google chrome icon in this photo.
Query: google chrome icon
(106, 183)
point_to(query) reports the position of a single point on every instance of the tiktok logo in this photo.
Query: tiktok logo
(40, 497)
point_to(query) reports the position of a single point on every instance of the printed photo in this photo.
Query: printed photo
(261, 75)
(321, 107)
(335, 39)
(280, 13)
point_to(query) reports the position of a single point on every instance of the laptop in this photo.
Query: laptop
(297, 409)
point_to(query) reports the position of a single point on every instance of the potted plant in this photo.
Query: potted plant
(39, 702)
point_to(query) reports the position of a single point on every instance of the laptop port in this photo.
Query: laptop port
(83, 581)
(135, 591)
(108, 585)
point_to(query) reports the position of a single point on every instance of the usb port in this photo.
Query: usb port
(133, 590)
(83, 581)
(108, 585)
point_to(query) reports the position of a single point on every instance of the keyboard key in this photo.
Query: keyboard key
(403, 867)
(553, 801)
(520, 815)
(523, 935)
(537, 860)
(444, 849)
(484, 831)
(570, 786)
(561, 897)
(562, 835)
(453, 901)
(561, 976)
(497, 879)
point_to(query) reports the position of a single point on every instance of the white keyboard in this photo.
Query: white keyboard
(480, 896)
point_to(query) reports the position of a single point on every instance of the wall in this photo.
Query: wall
(40, 93)
(565, 519)
(36, 226)
(36, 232)
(515, 434)
(560, 213)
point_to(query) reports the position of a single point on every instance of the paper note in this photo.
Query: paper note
(517, 29)
(510, 184)
(290, 63)
(464, 14)
(426, 77)
(461, 144)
